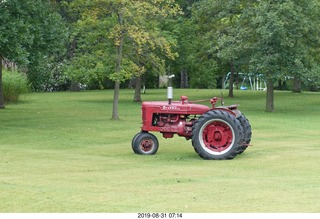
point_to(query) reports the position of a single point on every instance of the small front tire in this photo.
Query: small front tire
(145, 143)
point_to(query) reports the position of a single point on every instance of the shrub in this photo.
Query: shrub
(14, 83)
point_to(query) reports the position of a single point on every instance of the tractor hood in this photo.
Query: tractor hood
(176, 107)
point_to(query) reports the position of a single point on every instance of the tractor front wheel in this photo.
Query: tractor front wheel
(217, 135)
(145, 143)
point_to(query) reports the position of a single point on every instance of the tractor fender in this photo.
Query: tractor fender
(230, 109)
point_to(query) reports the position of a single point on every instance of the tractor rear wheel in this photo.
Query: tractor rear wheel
(247, 133)
(145, 143)
(217, 135)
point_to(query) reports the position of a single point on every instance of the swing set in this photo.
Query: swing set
(254, 81)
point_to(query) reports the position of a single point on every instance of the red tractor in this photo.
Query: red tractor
(217, 133)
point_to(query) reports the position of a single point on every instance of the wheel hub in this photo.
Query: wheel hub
(146, 145)
(217, 136)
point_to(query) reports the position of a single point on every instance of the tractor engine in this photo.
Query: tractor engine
(171, 124)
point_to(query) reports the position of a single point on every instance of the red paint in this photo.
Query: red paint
(177, 117)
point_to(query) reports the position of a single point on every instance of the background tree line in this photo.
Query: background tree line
(97, 44)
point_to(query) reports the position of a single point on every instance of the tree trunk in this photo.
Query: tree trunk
(296, 85)
(115, 114)
(137, 90)
(1, 89)
(184, 78)
(270, 96)
(231, 80)
(281, 84)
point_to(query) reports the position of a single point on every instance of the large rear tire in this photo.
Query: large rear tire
(247, 132)
(145, 143)
(217, 135)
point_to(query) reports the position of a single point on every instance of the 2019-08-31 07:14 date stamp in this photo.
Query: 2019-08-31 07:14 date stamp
(159, 215)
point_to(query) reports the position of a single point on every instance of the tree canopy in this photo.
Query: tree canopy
(29, 30)
(121, 38)
(274, 38)
(197, 40)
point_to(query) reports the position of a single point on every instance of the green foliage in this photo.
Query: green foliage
(47, 55)
(203, 73)
(87, 69)
(277, 38)
(274, 38)
(14, 84)
(124, 38)
(285, 34)
(29, 27)
(312, 78)
(15, 34)
(99, 32)
(31, 35)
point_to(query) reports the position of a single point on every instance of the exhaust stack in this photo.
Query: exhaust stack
(170, 89)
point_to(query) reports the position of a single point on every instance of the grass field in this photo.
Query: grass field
(61, 152)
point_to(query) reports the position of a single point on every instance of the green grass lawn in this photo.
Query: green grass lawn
(61, 152)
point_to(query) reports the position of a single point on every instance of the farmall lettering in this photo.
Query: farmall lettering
(216, 133)
(170, 108)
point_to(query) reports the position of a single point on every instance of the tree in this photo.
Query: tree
(123, 33)
(274, 38)
(284, 35)
(28, 29)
